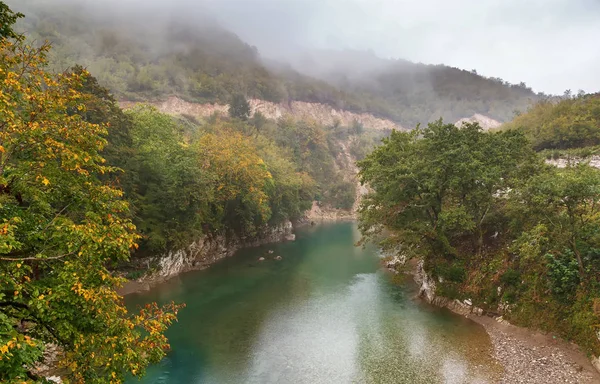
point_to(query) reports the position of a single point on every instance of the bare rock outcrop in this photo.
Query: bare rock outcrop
(202, 253)
(319, 213)
(485, 122)
(297, 110)
(593, 161)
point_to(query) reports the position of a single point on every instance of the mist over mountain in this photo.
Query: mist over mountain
(543, 43)
(151, 50)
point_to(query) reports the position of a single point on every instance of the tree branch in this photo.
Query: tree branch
(13, 304)
(35, 319)
(36, 258)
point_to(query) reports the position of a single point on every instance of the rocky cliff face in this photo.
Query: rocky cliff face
(346, 165)
(206, 251)
(297, 110)
(327, 214)
(426, 283)
(427, 287)
(593, 161)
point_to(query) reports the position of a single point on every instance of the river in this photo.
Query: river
(325, 313)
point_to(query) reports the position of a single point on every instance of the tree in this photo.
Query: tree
(170, 192)
(239, 107)
(291, 193)
(7, 19)
(241, 179)
(60, 228)
(357, 128)
(437, 184)
(566, 201)
(258, 121)
(102, 108)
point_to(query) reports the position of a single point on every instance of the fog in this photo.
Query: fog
(552, 45)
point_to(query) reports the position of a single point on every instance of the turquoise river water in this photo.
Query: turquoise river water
(326, 313)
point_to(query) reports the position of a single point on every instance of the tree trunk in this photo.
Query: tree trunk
(579, 260)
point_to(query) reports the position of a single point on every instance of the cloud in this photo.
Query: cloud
(549, 44)
(552, 45)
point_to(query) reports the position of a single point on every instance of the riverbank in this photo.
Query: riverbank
(528, 356)
(319, 214)
(199, 255)
(149, 281)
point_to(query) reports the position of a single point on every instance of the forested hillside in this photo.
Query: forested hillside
(493, 222)
(571, 123)
(417, 93)
(142, 56)
(184, 177)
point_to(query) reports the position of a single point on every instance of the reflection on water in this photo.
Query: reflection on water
(324, 314)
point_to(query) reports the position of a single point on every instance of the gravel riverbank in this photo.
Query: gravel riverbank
(530, 357)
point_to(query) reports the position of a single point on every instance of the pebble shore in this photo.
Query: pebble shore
(535, 359)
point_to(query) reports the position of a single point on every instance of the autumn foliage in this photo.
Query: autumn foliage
(60, 228)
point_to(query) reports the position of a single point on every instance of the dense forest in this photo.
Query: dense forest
(140, 55)
(492, 221)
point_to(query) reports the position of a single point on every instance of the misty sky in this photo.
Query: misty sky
(552, 45)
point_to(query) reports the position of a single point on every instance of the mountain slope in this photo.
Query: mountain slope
(145, 55)
(566, 124)
(414, 92)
